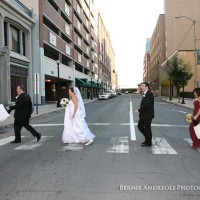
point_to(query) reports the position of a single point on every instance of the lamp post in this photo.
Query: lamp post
(170, 89)
(58, 89)
(97, 88)
(183, 99)
(91, 87)
(195, 56)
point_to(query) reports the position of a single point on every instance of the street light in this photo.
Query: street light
(58, 92)
(97, 88)
(91, 87)
(195, 58)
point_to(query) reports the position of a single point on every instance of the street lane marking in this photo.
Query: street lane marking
(109, 124)
(179, 111)
(161, 146)
(132, 127)
(72, 147)
(33, 144)
(188, 140)
(7, 140)
(119, 145)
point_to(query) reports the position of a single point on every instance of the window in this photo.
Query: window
(66, 9)
(23, 44)
(5, 33)
(15, 39)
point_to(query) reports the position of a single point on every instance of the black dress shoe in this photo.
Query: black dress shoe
(146, 145)
(38, 137)
(15, 141)
(143, 142)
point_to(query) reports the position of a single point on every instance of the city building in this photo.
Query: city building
(157, 56)
(182, 27)
(16, 53)
(56, 47)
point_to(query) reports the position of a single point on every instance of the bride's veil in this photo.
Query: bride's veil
(80, 101)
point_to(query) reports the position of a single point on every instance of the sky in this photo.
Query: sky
(129, 23)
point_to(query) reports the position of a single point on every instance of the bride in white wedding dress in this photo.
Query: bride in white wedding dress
(75, 127)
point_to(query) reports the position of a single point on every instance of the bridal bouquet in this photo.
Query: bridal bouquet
(188, 117)
(64, 102)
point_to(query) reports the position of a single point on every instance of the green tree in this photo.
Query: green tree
(179, 72)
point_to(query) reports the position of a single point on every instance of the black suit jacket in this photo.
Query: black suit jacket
(22, 107)
(146, 110)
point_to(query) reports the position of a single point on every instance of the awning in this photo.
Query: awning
(84, 83)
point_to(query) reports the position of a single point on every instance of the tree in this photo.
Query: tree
(179, 72)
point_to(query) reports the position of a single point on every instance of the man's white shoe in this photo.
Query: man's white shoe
(89, 142)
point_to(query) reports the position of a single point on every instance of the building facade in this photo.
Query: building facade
(57, 46)
(179, 31)
(157, 55)
(16, 55)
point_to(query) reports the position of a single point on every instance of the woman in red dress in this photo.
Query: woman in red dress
(196, 114)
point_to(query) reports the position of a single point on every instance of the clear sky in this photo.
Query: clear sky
(129, 23)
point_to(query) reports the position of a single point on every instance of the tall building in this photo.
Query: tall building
(157, 55)
(54, 45)
(181, 17)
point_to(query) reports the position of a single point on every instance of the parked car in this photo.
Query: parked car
(111, 93)
(126, 92)
(104, 96)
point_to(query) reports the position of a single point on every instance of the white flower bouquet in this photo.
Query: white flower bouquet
(64, 102)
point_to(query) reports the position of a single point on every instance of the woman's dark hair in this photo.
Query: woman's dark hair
(197, 90)
(72, 89)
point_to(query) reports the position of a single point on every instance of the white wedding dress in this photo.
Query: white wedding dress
(75, 129)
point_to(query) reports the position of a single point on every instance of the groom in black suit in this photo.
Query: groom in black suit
(23, 108)
(146, 114)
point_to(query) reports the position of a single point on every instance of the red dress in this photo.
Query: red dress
(195, 140)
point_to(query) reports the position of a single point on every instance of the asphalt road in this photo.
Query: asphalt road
(114, 167)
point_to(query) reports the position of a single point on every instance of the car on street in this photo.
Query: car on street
(104, 96)
(126, 92)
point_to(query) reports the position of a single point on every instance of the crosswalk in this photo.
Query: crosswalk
(115, 145)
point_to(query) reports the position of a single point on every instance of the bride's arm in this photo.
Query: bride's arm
(75, 102)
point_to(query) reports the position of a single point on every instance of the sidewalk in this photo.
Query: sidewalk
(188, 102)
(42, 110)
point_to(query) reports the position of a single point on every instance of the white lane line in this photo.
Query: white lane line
(33, 144)
(188, 140)
(108, 124)
(7, 140)
(119, 145)
(72, 147)
(132, 127)
(161, 146)
(179, 111)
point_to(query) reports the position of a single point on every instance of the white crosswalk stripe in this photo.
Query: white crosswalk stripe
(161, 146)
(119, 145)
(7, 140)
(33, 144)
(72, 147)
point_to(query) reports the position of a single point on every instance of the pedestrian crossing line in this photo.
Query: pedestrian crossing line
(72, 147)
(7, 140)
(119, 145)
(120, 124)
(132, 127)
(161, 146)
(33, 144)
(188, 140)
